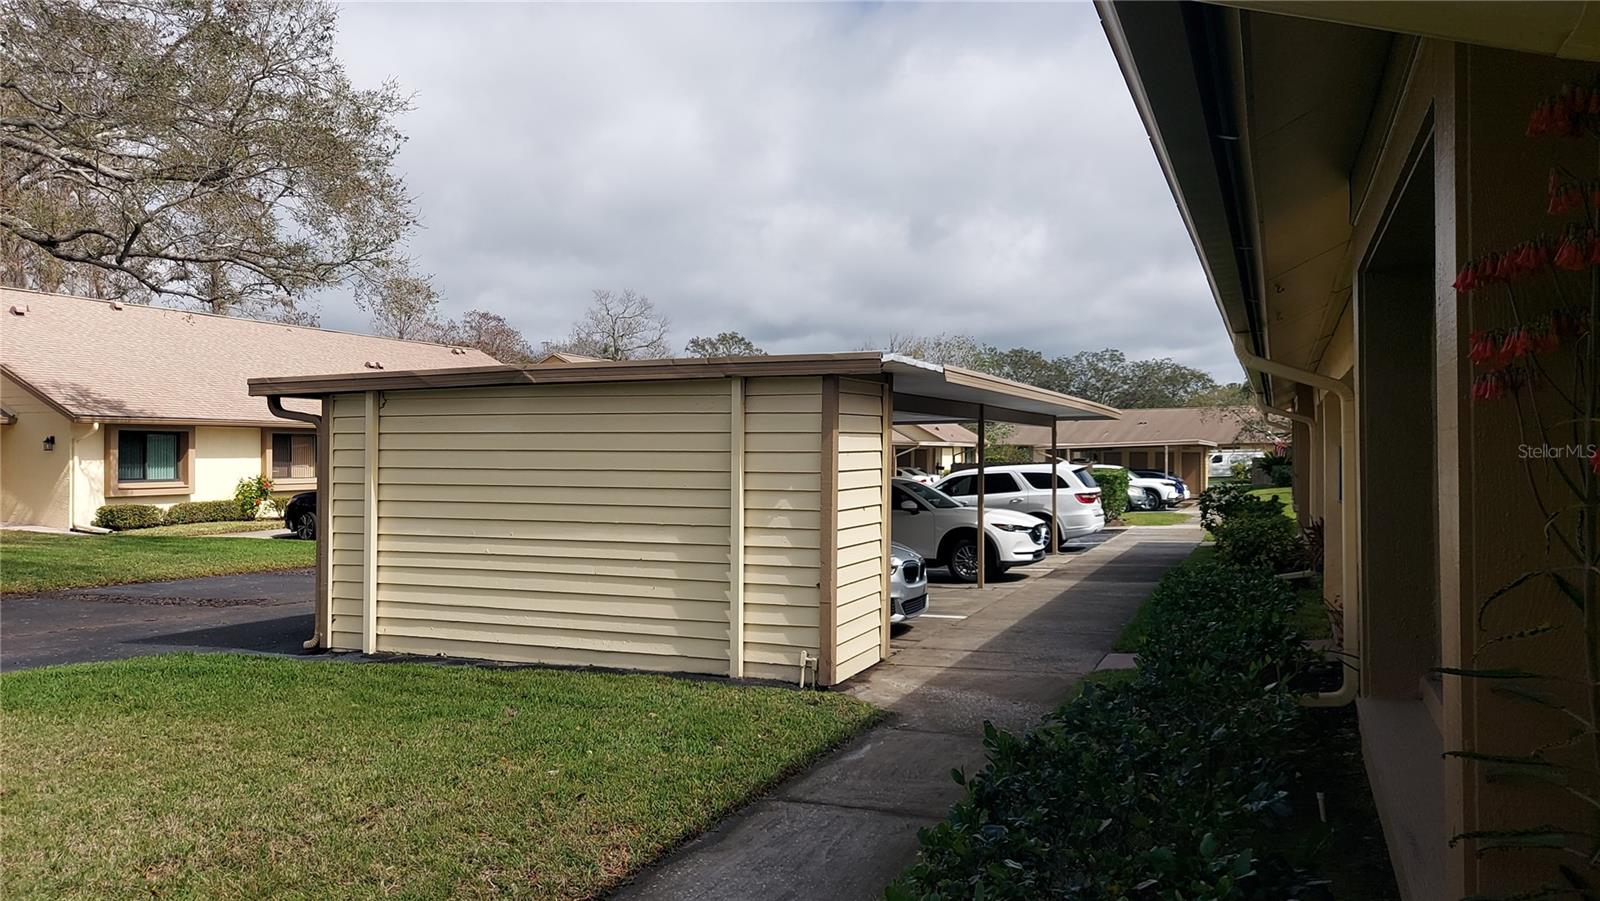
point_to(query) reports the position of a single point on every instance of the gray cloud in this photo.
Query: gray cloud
(811, 175)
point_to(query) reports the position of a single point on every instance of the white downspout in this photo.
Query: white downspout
(1347, 519)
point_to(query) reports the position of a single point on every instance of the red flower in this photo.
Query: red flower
(1570, 255)
(1489, 386)
(1481, 346)
(1594, 463)
(1546, 341)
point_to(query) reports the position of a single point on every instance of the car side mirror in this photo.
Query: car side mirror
(910, 507)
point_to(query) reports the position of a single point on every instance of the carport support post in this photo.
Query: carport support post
(983, 459)
(1055, 482)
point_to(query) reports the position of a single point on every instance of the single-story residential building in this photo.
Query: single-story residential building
(1179, 440)
(1342, 168)
(724, 515)
(111, 403)
(934, 447)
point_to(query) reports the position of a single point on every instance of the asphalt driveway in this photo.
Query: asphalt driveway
(260, 612)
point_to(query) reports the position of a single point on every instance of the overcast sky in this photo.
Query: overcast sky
(813, 175)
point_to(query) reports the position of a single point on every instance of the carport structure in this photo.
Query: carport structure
(725, 515)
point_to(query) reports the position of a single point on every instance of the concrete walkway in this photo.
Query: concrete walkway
(847, 827)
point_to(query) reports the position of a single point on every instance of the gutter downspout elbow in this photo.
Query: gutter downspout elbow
(1349, 685)
(276, 408)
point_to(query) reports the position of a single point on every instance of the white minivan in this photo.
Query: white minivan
(1025, 487)
(1221, 462)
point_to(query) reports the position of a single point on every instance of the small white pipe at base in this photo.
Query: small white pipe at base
(805, 661)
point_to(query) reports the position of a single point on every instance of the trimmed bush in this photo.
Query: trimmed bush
(1113, 491)
(122, 517)
(1269, 541)
(205, 511)
(1233, 500)
(1154, 789)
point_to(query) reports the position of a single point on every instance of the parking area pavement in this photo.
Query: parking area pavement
(256, 612)
(1007, 654)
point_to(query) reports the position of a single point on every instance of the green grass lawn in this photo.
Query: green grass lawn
(243, 777)
(33, 562)
(1155, 518)
(1284, 494)
(192, 529)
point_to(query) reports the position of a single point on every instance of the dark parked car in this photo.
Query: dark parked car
(300, 517)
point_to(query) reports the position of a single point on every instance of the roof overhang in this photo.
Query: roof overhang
(1569, 29)
(1176, 442)
(1258, 121)
(924, 392)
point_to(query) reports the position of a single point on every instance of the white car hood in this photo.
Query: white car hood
(1010, 517)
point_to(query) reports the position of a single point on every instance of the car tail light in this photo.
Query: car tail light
(1088, 498)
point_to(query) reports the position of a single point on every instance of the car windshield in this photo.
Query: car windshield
(933, 497)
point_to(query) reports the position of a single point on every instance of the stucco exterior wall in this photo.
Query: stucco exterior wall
(33, 481)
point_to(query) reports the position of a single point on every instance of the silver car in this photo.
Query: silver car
(908, 584)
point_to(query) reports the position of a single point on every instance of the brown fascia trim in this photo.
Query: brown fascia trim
(861, 363)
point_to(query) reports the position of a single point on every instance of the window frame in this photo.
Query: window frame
(287, 483)
(184, 484)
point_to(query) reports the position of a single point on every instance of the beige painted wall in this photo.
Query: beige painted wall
(33, 482)
(859, 559)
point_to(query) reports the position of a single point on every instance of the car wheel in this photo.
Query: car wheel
(964, 560)
(306, 527)
(1148, 500)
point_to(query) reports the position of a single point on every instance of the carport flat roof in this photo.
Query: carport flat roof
(924, 392)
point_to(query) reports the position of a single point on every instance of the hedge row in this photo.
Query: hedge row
(122, 517)
(1153, 789)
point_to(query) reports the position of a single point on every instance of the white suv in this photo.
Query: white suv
(1026, 487)
(945, 531)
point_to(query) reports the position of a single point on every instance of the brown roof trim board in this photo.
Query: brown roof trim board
(7, 417)
(939, 382)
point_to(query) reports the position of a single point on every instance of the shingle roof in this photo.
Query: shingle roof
(98, 360)
(1216, 426)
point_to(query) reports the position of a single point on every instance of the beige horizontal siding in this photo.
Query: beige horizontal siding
(858, 554)
(783, 522)
(558, 524)
(347, 440)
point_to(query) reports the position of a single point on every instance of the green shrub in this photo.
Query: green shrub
(1282, 476)
(204, 511)
(1153, 789)
(1272, 542)
(122, 517)
(1113, 491)
(250, 494)
(1233, 500)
